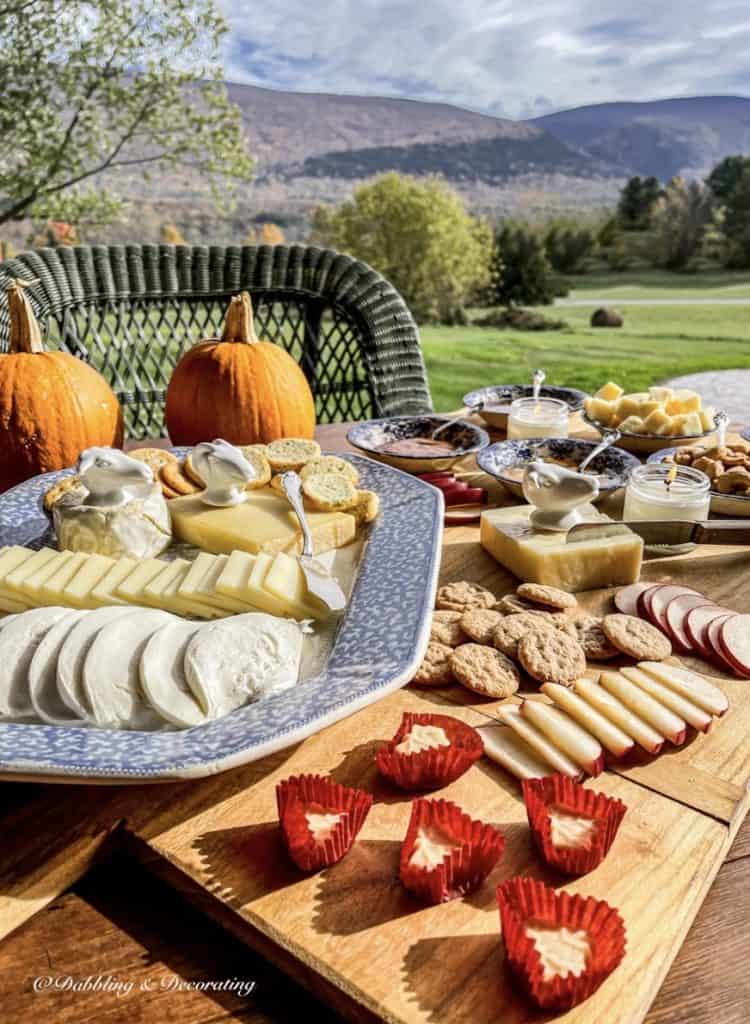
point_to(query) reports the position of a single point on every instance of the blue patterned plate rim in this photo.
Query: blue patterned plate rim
(520, 451)
(378, 646)
(573, 396)
(664, 453)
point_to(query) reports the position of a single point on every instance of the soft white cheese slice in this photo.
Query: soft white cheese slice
(45, 695)
(321, 825)
(431, 847)
(568, 829)
(561, 951)
(19, 640)
(163, 675)
(422, 737)
(73, 655)
(111, 671)
(242, 658)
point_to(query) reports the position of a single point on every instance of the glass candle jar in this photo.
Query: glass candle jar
(538, 417)
(653, 494)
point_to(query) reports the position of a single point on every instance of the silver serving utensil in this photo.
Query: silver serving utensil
(319, 581)
(609, 437)
(670, 532)
(468, 410)
(536, 382)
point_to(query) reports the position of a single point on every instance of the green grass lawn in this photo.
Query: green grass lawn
(660, 284)
(655, 343)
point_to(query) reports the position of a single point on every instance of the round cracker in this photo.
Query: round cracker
(64, 486)
(445, 629)
(479, 624)
(175, 481)
(462, 595)
(636, 638)
(484, 670)
(552, 656)
(435, 669)
(550, 597)
(512, 628)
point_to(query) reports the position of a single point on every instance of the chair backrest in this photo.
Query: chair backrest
(132, 310)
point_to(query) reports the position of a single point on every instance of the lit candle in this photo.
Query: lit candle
(538, 417)
(663, 491)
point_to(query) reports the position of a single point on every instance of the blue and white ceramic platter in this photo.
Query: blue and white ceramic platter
(379, 644)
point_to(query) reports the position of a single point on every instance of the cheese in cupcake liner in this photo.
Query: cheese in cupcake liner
(319, 819)
(573, 827)
(560, 947)
(429, 751)
(445, 853)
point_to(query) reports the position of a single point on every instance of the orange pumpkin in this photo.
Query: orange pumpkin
(239, 388)
(52, 405)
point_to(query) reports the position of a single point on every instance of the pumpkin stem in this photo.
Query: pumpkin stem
(238, 324)
(25, 335)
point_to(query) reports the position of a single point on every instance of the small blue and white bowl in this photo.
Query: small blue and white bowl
(497, 400)
(505, 459)
(372, 436)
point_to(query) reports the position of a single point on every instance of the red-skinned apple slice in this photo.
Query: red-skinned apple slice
(693, 715)
(696, 626)
(626, 598)
(536, 739)
(713, 635)
(676, 615)
(609, 735)
(657, 602)
(691, 685)
(734, 638)
(603, 701)
(665, 722)
(566, 734)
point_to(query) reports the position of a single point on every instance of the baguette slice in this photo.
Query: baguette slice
(666, 722)
(609, 735)
(694, 687)
(559, 761)
(693, 715)
(330, 492)
(507, 748)
(613, 709)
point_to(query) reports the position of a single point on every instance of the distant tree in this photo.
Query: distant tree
(637, 201)
(170, 234)
(679, 223)
(525, 278)
(736, 223)
(568, 247)
(88, 86)
(418, 234)
(725, 177)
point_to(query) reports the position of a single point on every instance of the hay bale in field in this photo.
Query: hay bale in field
(606, 317)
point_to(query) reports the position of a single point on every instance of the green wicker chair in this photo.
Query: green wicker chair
(132, 310)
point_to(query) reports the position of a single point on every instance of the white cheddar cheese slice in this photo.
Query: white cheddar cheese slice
(164, 592)
(200, 584)
(10, 559)
(243, 577)
(43, 689)
(8, 605)
(286, 581)
(236, 574)
(32, 585)
(52, 590)
(18, 643)
(77, 593)
(104, 592)
(13, 582)
(131, 588)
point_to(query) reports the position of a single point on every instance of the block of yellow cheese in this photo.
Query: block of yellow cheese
(10, 559)
(264, 522)
(537, 556)
(131, 588)
(286, 581)
(163, 592)
(243, 577)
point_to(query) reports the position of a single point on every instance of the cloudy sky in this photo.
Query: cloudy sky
(510, 57)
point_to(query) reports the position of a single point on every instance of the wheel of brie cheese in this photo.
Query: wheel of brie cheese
(19, 640)
(163, 675)
(73, 655)
(111, 671)
(240, 659)
(43, 690)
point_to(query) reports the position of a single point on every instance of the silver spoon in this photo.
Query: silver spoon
(537, 380)
(609, 437)
(468, 410)
(319, 581)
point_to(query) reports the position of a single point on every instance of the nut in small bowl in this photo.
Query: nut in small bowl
(406, 442)
(506, 461)
(727, 467)
(497, 400)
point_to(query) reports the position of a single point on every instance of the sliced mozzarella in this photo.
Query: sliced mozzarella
(566, 734)
(611, 737)
(505, 747)
(19, 640)
(693, 715)
(691, 685)
(111, 671)
(73, 654)
(242, 658)
(613, 709)
(45, 695)
(163, 675)
(540, 743)
(666, 722)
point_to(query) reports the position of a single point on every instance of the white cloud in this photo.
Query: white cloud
(512, 57)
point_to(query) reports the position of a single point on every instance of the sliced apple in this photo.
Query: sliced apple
(666, 722)
(609, 735)
(676, 614)
(691, 685)
(511, 716)
(507, 748)
(734, 637)
(693, 715)
(613, 709)
(626, 598)
(566, 734)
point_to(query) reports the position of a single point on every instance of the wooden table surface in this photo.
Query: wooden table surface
(120, 922)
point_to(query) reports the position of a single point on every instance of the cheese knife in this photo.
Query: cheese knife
(319, 581)
(671, 532)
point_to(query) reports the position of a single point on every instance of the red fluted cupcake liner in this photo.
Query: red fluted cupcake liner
(557, 792)
(467, 865)
(525, 902)
(437, 766)
(302, 794)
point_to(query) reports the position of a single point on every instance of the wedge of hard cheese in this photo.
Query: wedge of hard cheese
(264, 522)
(541, 556)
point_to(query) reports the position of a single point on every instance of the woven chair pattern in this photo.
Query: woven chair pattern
(132, 310)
